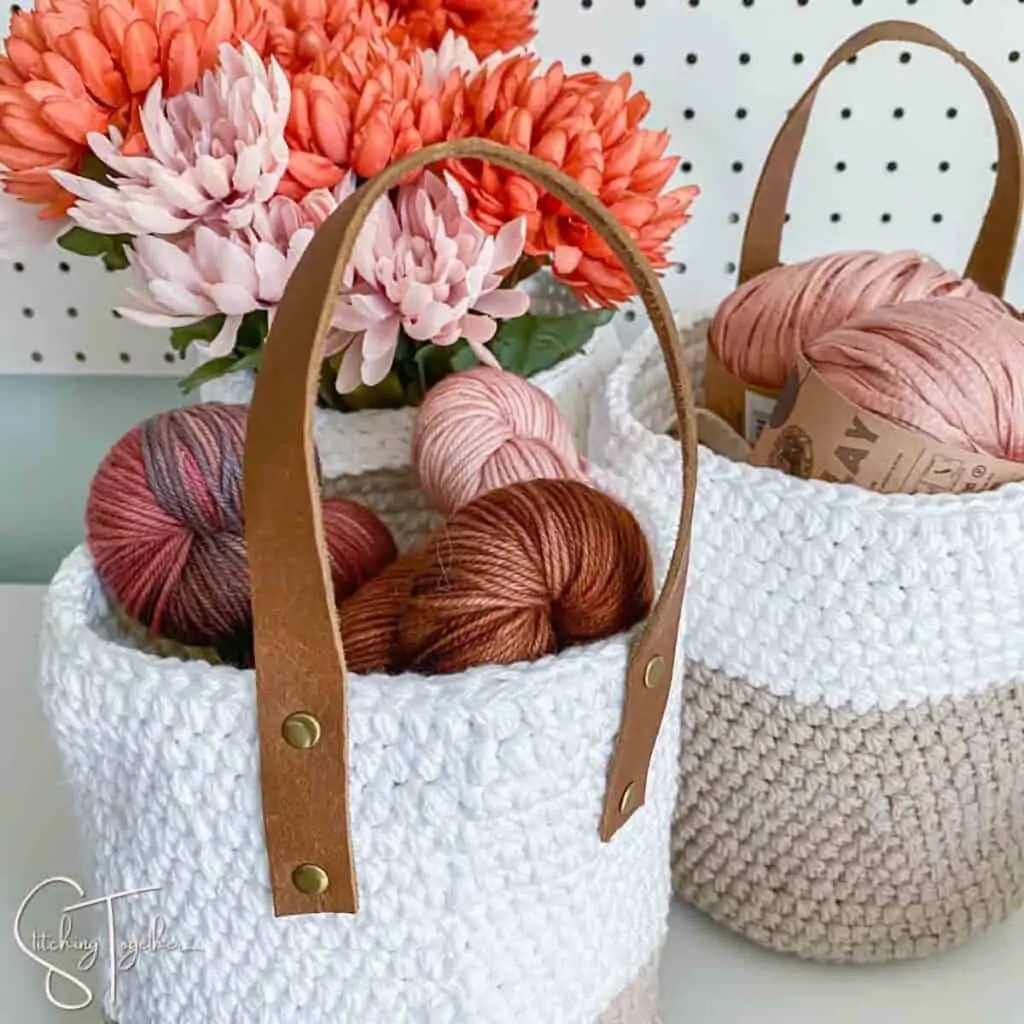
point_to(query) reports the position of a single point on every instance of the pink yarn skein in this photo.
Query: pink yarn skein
(951, 368)
(759, 329)
(486, 428)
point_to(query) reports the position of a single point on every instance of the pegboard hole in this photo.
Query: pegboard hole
(586, 60)
(629, 315)
(37, 357)
(944, 166)
(744, 58)
(680, 268)
(886, 218)
(28, 312)
(995, 166)
(798, 58)
(638, 59)
(841, 166)
(737, 167)
(686, 167)
(168, 357)
(734, 218)
(936, 218)
(730, 267)
(117, 316)
(640, 3)
(691, 58)
(124, 357)
(689, 113)
(898, 113)
(741, 113)
(72, 312)
(79, 357)
(835, 218)
(1014, 56)
(19, 268)
(846, 113)
(905, 57)
(891, 166)
(64, 268)
(951, 112)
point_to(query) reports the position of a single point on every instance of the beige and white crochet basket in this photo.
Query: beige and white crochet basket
(487, 847)
(852, 760)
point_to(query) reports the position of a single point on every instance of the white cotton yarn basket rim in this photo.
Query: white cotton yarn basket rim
(82, 610)
(718, 470)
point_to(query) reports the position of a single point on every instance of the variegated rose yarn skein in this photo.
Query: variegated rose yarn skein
(164, 524)
(522, 571)
(485, 428)
(762, 326)
(951, 368)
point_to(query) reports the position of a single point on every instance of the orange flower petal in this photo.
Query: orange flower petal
(94, 64)
(141, 56)
(182, 63)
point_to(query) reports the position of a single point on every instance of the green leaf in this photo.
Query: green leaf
(253, 330)
(209, 371)
(530, 344)
(201, 330)
(85, 243)
(251, 360)
(115, 259)
(388, 394)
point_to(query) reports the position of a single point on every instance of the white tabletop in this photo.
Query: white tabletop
(709, 975)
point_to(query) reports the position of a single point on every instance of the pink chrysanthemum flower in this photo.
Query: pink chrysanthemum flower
(206, 272)
(423, 267)
(218, 154)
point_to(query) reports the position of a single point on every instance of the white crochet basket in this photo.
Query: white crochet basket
(376, 445)
(491, 845)
(852, 768)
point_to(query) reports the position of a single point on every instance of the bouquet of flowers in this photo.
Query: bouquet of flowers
(199, 143)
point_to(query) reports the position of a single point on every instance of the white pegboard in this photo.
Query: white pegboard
(720, 75)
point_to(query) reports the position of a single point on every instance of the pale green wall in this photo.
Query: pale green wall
(53, 433)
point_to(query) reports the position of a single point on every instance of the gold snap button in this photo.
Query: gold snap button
(301, 730)
(626, 803)
(654, 674)
(310, 879)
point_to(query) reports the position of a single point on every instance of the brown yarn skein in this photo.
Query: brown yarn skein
(520, 572)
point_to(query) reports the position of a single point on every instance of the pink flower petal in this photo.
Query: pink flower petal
(350, 372)
(477, 329)
(508, 244)
(232, 299)
(381, 339)
(504, 303)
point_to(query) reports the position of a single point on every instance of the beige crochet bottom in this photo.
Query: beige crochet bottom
(637, 1005)
(847, 837)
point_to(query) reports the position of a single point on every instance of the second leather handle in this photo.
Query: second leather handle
(990, 261)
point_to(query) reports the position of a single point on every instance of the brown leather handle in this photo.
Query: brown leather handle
(300, 663)
(989, 265)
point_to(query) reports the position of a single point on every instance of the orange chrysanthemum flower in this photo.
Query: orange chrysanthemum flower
(305, 35)
(373, 106)
(488, 25)
(77, 66)
(590, 128)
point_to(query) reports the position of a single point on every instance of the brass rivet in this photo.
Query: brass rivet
(626, 803)
(655, 672)
(301, 730)
(310, 879)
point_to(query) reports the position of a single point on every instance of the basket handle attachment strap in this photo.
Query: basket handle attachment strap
(990, 261)
(300, 661)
